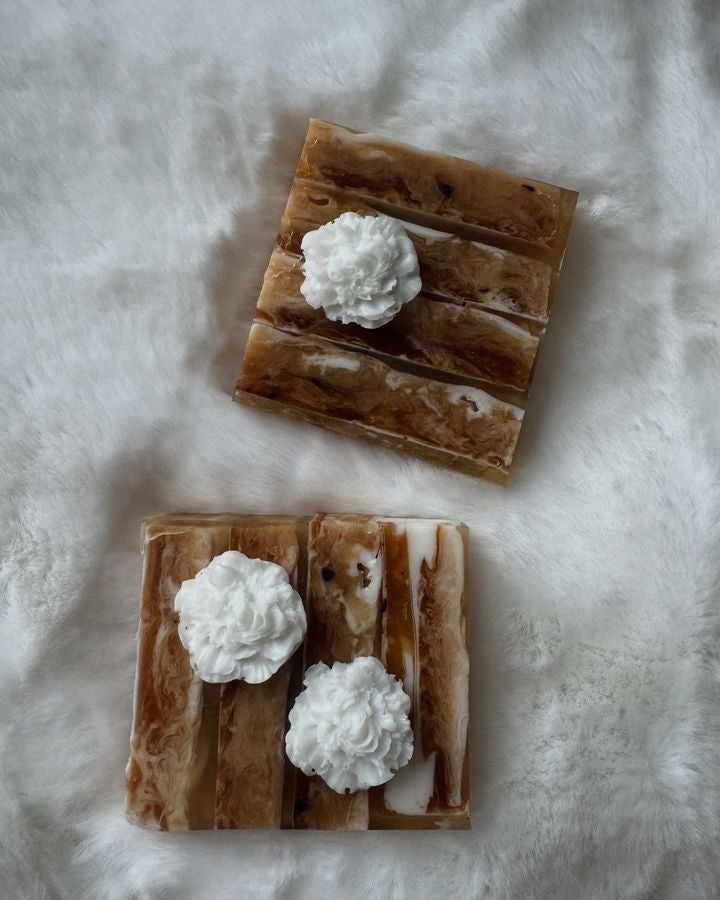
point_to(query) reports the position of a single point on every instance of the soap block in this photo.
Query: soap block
(424, 643)
(213, 756)
(463, 340)
(461, 355)
(305, 377)
(206, 755)
(343, 607)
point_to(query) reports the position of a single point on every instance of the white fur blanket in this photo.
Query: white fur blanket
(146, 151)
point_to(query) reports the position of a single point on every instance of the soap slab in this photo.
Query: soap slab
(489, 246)
(469, 428)
(453, 268)
(460, 339)
(212, 755)
(467, 198)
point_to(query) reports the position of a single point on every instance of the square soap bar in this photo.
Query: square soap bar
(447, 379)
(213, 755)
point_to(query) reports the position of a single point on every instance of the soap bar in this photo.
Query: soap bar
(212, 755)
(166, 775)
(461, 339)
(453, 268)
(343, 606)
(425, 644)
(442, 191)
(202, 755)
(489, 248)
(251, 765)
(465, 426)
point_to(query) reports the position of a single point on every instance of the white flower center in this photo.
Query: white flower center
(350, 725)
(239, 618)
(360, 269)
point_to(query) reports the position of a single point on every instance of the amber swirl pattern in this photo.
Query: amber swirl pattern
(489, 246)
(452, 268)
(461, 423)
(457, 339)
(471, 200)
(212, 755)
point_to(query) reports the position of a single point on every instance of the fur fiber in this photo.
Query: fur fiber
(146, 153)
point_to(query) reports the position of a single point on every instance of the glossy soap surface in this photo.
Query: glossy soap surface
(212, 756)
(489, 245)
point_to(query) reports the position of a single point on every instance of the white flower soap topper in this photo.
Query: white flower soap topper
(240, 618)
(350, 725)
(360, 269)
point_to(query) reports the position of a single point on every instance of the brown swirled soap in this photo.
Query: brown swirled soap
(447, 377)
(212, 755)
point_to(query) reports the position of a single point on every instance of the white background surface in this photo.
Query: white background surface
(146, 152)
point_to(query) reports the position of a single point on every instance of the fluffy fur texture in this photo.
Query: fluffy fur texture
(146, 153)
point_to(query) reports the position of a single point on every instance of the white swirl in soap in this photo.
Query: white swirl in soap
(239, 618)
(360, 269)
(350, 725)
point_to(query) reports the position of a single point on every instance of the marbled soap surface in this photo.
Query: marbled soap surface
(433, 381)
(309, 379)
(471, 197)
(212, 756)
(460, 339)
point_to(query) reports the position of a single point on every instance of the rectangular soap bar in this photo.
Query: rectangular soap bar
(444, 191)
(461, 270)
(448, 378)
(170, 774)
(212, 756)
(465, 426)
(344, 582)
(461, 339)
(425, 644)
(205, 755)
(251, 766)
